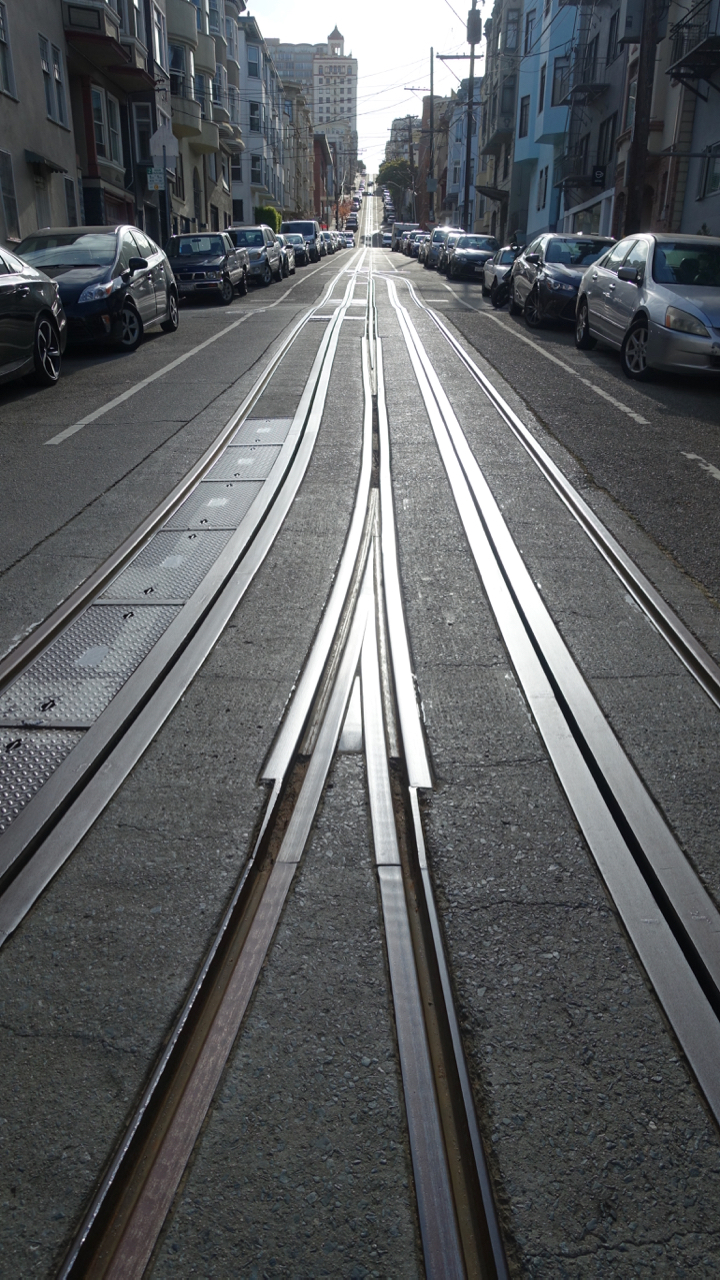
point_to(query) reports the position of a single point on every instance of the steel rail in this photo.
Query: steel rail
(47, 830)
(684, 644)
(14, 662)
(678, 949)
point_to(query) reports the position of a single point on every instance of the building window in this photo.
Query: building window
(7, 79)
(179, 177)
(524, 117)
(589, 70)
(231, 37)
(52, 70)
(507, 103)
(506, 164)
(99, 124)
(512, 30)
(160, 38)
(541, 93)
(143, 131)
(236, 168)
(612, 44)
(70, 203)
(114, 135)
(256, 169)
(630, 110)
(456, 175)
(253, 60)
(214, 218)
(561, 67)
(529, 26)
(238, 211)
(542, 187)
(606, 139)
(178, 67)
(201, 96)
(9, 202)
(711, 177)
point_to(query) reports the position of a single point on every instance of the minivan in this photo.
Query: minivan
(310, 231)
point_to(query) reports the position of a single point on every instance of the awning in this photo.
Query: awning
(493, 193)
(34, 157)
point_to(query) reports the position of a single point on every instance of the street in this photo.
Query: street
(360, 725)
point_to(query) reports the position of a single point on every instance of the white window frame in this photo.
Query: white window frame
(160, 42)
(96, 89)
(114, 131)
(44, 44)
(138, 110)
(58, 78)
(6, 61)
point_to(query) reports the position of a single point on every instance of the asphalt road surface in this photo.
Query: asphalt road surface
(359, 849)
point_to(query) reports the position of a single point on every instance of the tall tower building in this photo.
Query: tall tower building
(329, 78)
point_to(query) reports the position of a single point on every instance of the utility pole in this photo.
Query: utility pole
(412, 166)
(431, 189)
(474, 36)
(637, 154)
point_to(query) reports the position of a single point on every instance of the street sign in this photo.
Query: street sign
(156, 179)
(598, 176)
(163, 137)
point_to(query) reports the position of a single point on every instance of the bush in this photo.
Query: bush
(270, 216)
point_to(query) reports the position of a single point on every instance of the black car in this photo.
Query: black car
(33, 327)
(208, 263)
(469, 256)
(114, 282)
(301, 247)
(545, 278)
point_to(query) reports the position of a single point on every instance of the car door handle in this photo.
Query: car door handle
(611, 285)
(22, 290)
(595, 275)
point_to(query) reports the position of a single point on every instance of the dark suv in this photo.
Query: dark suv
(264, 252)
(546, 277)
(113, 282)
(208, 263)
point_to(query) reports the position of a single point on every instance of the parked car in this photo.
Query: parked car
(33, 326)
(352, 223)
(419, 240)
(349, 239)
(437, 242)
(327, 238)
(446, 249)
(546, 276)
(264, 255)
(656, 298)
(409, 241)
(300, 247)
(469, 255)
(311, 233)
(423, 247)
(287, 250)
(387, 239)
(114, 282)
(209, 264)
(497, 267)
(397, 230)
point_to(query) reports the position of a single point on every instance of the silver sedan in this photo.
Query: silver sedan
(655, 298)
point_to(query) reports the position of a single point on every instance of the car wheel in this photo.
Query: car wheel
(173, 315)
(515, 308)
(533, 312)
(583, 338)
(267, 275)
(46, 353)
(633, 353)
(243, 283)
(131, 328)
(227, 292)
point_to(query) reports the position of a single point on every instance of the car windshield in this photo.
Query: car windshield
(251, 239)
(575, 253)
(304, 228)
(477, 242)
(70, 249)
(195, 246)
(507, 256)
(294, 238)
(690, 264)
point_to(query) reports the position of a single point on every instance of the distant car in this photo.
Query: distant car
(309, 229)
(299, 244)
(416, 244)
(386, 240)
(287, 251)
(447, 248)
(434, 249)
(33, 326)
(546, 276)
(397, 230)
(352, 223)
(264, 255)
(497, 267)
(408, 242)
(349, 239)
(656, 298)
(469, 255)
(209, 264)
(327, 238)
(114, 282)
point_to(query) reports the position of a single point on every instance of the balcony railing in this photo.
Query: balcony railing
(696, 45)
(580, 169)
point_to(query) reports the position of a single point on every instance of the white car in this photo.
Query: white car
(655, 298)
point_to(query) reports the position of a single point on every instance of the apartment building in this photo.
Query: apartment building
(457, 156)
(258, 176)
(498, 114)
(693, 183)
(432, 160)
(299, 152)
(404, 140)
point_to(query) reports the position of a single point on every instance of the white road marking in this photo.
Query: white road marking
(167, 368)
(599, 391)
(702, 462)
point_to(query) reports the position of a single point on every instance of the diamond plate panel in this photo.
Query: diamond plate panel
(82, 670)
(263, 431)
(27, 759)
(215, 506)
(170, 567)
(245, 462)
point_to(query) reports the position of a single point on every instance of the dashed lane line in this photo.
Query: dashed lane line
(702, 462)
(167, 368)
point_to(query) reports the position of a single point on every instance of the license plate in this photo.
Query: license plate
(478, 270)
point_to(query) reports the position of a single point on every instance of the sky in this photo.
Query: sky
(392, 46)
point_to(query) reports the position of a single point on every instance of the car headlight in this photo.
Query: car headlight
(214, 275)
(96, 292)
(559, 286)
(684, 322)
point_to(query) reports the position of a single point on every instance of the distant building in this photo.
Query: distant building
(405, 131)
(329, 77)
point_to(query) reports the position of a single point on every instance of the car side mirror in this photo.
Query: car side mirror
(137, 264)
(534, 258)
(631, 274)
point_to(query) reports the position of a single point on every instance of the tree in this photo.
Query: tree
(270, 216)
(396, 176)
